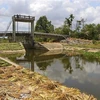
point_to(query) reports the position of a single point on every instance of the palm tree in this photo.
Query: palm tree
(69, 21)
(71, 17)
(67, 27)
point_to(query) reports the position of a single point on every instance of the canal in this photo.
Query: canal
(71, 71)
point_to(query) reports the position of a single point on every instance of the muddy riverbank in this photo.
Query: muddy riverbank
(71, 44)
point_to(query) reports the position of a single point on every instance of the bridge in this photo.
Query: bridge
(36, 34)
(26, 37)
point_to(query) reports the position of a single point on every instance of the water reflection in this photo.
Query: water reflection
(73, 71)
(42, 59)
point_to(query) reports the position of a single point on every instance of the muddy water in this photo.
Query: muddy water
(72, 71)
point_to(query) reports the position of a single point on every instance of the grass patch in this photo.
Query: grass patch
(11, 46)
(3, 63)
(12, 57)
(91, 56)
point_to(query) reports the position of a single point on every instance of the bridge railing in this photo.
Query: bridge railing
(23, 17)
(39, 34)
(18, 33)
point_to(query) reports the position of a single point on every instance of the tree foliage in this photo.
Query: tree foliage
(69, 20)
(58, 30)
(90, 31)
(66, 27)
(43, 25)
(83, 30)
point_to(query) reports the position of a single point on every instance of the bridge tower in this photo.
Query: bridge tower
(22, 18)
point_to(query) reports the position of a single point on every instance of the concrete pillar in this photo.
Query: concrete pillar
(32, 29)
(14, 29)
(32, 64)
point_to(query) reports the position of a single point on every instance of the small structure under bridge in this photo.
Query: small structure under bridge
(26, 37)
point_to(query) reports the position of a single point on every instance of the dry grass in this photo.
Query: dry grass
(22, 84)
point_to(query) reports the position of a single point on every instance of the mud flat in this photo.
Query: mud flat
(18, 83)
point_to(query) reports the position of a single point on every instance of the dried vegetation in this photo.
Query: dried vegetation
(18, 83)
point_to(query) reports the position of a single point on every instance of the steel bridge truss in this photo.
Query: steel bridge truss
(26, 37)
(22, 18)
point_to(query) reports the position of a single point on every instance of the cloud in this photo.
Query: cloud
(55, 10)
(19, 7)
(58, 73)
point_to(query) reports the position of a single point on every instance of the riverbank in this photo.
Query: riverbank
(16, 76)
(19, 83)
(82, 48)
(11, 48)
(71, 44)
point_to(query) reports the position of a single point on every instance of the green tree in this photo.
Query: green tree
(43, 25)
(58, 30)
(67, 27)
(89, 31)
(69, 20)
(67, 64)
(98, 31)
(44, 65)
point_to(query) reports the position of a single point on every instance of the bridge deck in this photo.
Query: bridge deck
(23, 18)
(23, 33)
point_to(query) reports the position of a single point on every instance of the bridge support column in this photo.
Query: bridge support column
(14, 29)
(29, 40)
(32, 29)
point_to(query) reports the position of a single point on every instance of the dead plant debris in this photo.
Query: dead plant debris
(18, 83)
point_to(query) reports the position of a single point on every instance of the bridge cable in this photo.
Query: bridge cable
(7, 29)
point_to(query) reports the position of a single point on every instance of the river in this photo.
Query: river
(71, 71)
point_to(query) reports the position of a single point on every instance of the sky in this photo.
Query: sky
(55, 10)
